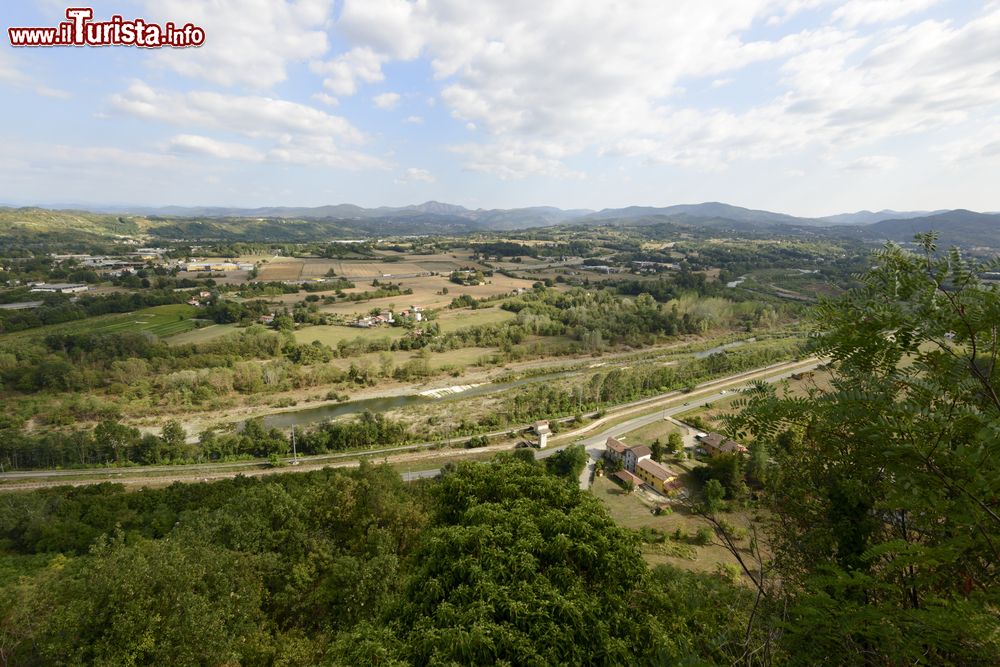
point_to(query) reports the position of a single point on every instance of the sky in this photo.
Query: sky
(808, 107)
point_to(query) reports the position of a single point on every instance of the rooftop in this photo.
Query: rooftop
(641, 450)
(626, 477)
(655, 469)
(616, 446)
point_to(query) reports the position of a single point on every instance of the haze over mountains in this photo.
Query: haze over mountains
(534, 216)
(956, 227)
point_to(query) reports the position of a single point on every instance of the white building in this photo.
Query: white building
(62, 288)
(542, 431)
(635, 454)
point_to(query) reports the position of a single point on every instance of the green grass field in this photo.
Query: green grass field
(659, 429)
(333, 334)
(203, 335)
(632, 511)
(159, 320)
(460, 319)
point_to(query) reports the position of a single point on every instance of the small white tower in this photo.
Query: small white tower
(543, 432)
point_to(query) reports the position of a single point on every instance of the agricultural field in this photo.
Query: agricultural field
(280, 270)
(359, 270)
(660, 430)
(452, 360)
(427, 293)
(161, 321)
(203, 334)
(459, 319)
(332, 334)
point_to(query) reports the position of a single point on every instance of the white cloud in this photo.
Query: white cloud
(984, 145)
(328, 100)
(8, 72)
(413, 120)
(514, 160)
(386, 100)
(611, 79)
(859, 12)
(249, 115)
(11, 74)
(525, 71)
(248, 42)
(199, 145)
(343, 72)
(872, 163)
(297, 133)
(414, 174)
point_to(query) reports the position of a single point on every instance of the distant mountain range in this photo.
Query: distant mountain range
(515, 218)
(956, 227)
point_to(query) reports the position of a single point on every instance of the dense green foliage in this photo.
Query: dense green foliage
(882, 491)
(886, 488)
(494, 564)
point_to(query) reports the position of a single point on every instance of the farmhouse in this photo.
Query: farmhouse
(654, 474)
(715, 445)
(615, 450)
(635, 454)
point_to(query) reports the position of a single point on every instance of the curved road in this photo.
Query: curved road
(672, 403)
(596, 444)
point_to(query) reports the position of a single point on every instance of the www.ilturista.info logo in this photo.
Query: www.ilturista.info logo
(81, 30)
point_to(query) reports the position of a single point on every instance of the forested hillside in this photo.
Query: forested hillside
(494, 564)
(877, 520)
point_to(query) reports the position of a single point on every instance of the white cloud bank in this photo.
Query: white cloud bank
(295, 132)
(548, 81)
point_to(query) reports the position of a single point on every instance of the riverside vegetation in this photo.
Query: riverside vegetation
(883, 498)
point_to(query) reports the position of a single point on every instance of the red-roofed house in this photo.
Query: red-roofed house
(654, 474)
(615, 449)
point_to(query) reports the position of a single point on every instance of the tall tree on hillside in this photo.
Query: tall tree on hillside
(885, 488)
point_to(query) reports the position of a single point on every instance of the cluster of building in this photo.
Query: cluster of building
(468, 277)
(413, 314)
(216, 266)
(655, 267)
(638, 467)
(118, 265)
(202, 298)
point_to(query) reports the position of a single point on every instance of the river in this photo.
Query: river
(306, 416)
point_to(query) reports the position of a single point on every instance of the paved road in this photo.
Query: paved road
(594, 442)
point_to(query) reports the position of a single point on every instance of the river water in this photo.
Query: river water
(306, 416)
